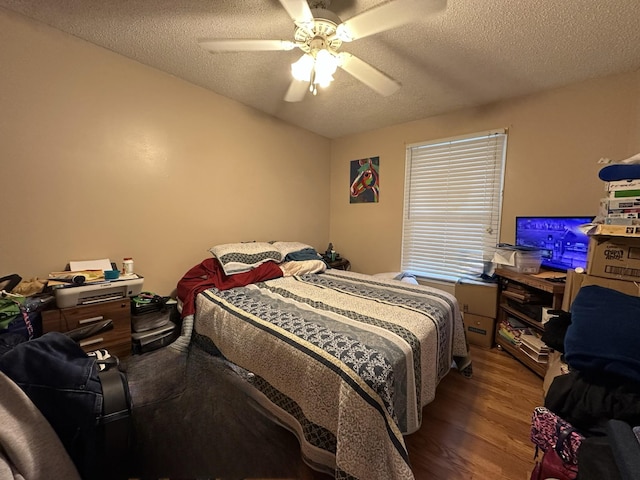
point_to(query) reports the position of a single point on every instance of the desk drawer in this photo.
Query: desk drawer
(116, 340)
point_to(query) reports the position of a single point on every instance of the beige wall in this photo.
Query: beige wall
(634, 140)
(104, 157)
(555, 141)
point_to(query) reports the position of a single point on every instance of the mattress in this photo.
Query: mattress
(344, 360)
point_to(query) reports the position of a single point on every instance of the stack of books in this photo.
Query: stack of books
(534, 348)
(522, 295)
(512, 329)
(622, 205)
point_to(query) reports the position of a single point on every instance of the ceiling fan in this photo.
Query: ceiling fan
(320, 33)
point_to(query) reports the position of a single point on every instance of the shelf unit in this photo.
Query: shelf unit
(551, 292)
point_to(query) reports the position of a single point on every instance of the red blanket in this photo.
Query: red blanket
(209, 273)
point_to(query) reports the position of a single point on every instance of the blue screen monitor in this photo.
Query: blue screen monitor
(563, 245)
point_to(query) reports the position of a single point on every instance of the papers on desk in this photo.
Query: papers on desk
(92, 277)
(91, 270)
(101, 264)
(65, 279)
(127, 276)
(550, 275)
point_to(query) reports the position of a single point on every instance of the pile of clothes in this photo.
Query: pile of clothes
(600, 396)
(21, 304)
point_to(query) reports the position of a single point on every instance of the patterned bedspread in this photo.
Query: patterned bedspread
(345, 360)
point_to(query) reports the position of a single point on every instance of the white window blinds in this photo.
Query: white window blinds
(452, 205)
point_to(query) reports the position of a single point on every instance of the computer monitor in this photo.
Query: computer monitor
(562, 244)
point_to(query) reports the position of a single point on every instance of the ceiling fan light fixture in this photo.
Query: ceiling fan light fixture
(325, 66)
(322, 79)
(302, 68)
(318, 70)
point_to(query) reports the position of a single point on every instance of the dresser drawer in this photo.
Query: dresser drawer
(116, 340)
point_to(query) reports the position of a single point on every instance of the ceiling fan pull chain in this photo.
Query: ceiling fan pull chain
(313, 88)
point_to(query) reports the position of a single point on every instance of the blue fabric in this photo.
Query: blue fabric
(604, 334)
(619, 171)
(304, 254)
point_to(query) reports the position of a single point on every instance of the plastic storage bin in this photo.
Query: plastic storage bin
(526, 262)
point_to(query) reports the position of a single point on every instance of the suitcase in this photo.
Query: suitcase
(115, 426)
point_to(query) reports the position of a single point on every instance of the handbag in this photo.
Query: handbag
(545, 426)
(554, 464)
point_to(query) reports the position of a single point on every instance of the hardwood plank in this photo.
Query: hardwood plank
(478, 428)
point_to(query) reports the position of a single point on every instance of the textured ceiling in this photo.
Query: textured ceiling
(473, 53)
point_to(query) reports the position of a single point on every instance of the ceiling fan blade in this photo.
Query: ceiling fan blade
(387, 16)
(370, 76)
(297, 90)
(299, 11)
(241, 45)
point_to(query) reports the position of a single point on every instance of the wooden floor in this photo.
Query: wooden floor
(478, 428)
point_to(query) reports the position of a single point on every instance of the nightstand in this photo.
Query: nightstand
(117, 340)
(340, 264)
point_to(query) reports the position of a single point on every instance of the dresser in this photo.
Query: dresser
(116, 340)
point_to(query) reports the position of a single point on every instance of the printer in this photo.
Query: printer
(91, 293)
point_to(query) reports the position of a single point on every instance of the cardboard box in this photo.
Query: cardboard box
(623, 185)
(479, 330)
(614, 257)
(623, 193)
(478, 298)
(615, 230)
(575, 281)
(620, 203)
(627, 219)
(572, 284)
(555, 367)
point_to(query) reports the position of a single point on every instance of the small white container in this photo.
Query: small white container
(127, 265)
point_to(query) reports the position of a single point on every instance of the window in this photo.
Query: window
(452, 205)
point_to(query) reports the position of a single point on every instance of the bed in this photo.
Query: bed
(344, 360)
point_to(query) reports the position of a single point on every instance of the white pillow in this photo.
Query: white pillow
(243, 257)
(301, 267)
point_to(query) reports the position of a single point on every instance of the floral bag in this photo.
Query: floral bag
(546, 430)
